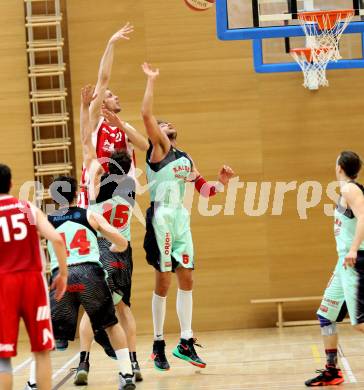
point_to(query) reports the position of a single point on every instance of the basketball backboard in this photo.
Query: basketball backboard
(268, 13)
(266, 22)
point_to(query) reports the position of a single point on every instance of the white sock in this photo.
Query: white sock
(32, 373)
(184, 312)
(124, 361)
(159, 314)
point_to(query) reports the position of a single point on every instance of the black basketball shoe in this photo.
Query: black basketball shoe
(328, 377)
(159, 355)
(81, 377)
(185, 350)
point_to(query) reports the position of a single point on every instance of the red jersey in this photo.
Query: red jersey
(106, 140)
(19, 241)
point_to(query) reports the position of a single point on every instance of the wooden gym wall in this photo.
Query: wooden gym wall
(267, 127)
(16, 132)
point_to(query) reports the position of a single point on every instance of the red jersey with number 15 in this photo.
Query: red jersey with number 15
(19, 240)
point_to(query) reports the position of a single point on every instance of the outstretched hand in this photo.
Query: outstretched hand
(149, 71)
(111, 118)
(87, 94)
(225, 174)
(122, 33)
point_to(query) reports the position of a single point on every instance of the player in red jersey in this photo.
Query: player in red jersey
(23, 288)
(109, 135)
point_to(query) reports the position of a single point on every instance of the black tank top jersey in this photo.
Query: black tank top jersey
(173, 155)
(115, 185)
(74, 214)
(348, 212)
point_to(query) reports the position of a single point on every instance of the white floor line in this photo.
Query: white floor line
(22, 365)
(346, 366)
(68, 363)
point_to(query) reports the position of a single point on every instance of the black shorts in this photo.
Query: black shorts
(152, 252)
(87, 287)
(119, 267)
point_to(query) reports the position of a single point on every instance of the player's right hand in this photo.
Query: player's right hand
(87, 94)
(122, 33)
(60, 285)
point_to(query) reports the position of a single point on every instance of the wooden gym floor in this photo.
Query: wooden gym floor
(247, 359)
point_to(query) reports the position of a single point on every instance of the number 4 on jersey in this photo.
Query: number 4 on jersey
(79, 242)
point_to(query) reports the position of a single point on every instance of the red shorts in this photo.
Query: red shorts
(24, 294)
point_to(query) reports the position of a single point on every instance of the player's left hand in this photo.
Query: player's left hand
(225, 174)
(60, 285)
(350, 259)
(111, 118)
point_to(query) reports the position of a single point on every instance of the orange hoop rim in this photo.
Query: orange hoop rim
(307, 51)
(332, 15)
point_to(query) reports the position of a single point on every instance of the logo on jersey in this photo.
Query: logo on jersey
(6, 347)
(182, 171)
(105, 130)
(167, 244)
(43, 313)
(47, 336)
(76, 288)
(337, 227)
(331, 302)
(118, 264)
(324, 309)
(108, 147)
(185, 259)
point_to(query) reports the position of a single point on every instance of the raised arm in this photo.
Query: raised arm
(161, 143)
(355, 200)
(90, 160)
(105, 72)
(47, 231)
(133, 135)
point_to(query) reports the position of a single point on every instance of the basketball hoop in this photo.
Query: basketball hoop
(313, 62)
(324, 28)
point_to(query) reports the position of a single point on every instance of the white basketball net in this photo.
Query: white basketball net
(324, 28)
(313, 63)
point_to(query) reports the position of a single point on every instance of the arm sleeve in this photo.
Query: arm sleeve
(205, 189)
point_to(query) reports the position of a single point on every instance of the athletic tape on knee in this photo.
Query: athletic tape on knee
(5, 366)
(328, 328)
